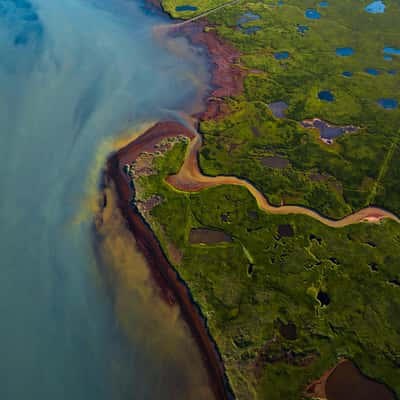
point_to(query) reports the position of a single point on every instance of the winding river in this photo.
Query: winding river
(73, 74)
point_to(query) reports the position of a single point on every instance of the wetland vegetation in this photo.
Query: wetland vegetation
(285, 297)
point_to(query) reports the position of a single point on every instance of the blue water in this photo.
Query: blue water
(392, 51)
(302, 28)
(347, 74)
(392, 72)
(252, 29)
(326, 95)
(185, 8)
(283, 55)
(247, 17)
(344, 51)
(376, 7)
(372, 71)
(323, 4)
(387, 58)
(388, 104)
(312, 14)
(74, 73)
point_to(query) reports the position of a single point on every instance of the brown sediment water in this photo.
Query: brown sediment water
(168, 349)
(191, 179)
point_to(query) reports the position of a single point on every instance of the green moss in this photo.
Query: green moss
(243, 310)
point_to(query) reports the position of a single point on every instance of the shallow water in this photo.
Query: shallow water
(73, 74)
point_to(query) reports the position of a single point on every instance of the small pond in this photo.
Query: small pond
(302, 28)
(323, 4)
(285, 230)
(185, 8)
(326, 95)
(391, 51)
(312, 14)
(247, 17)
(327, 131)
(278, 109)
(275, 162)
(347, 74)
(283, 55)
(346, 382)
(344, 51)
(392, 72)
(323, 298)
(377, 7)
(208, 236)
(387, 58)
(388, 104)
(372, 71)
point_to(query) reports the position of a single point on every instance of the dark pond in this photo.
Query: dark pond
(288, 331)
(388, 104)
(285, 230)
(326, 95)
(275, 162)
(377, 7)
(208, 236)
(344, 51)
(278, 108)
(247, 17)
(283, 55)
(185, 8)
(312, 14)
(346, 382)
(347, 74)
(302, 28)
(252, 29)
(323, 298)
(392, 72)
(372, 71)
(327, 131)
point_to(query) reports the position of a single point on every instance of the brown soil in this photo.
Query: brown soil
(208, 236)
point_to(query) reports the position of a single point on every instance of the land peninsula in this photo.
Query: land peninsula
(278, 236)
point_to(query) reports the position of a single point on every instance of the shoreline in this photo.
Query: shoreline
(172, 286)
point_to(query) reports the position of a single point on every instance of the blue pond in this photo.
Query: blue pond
(344, 51)
(377, 7)
(312, 14)
(283, 55)
(392, 72)
(302, 28)
(323, 4)
(372, 71)
(347, 74)
(388, 104)
(326, 95)
(185, 8)
(252, 29)
(392, 51)
(247, 17)
(387, 58)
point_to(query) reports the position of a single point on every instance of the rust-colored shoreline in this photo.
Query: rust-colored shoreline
(173, 287)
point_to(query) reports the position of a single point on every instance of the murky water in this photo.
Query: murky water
(74, 73)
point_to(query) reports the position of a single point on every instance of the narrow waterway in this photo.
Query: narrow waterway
(73, 75)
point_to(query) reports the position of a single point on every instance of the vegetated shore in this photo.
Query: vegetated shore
(173, 288)
(227, 79)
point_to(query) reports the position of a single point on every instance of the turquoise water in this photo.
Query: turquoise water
(392, 51)
(344, 51)
(376, 7)
(312, 14)
(185, 8)
(74, 73)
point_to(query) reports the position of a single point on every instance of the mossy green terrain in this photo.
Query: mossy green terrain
(261, 281)
(348, 171)
(249, 288)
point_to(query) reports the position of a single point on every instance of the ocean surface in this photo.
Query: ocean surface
(74, 75)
